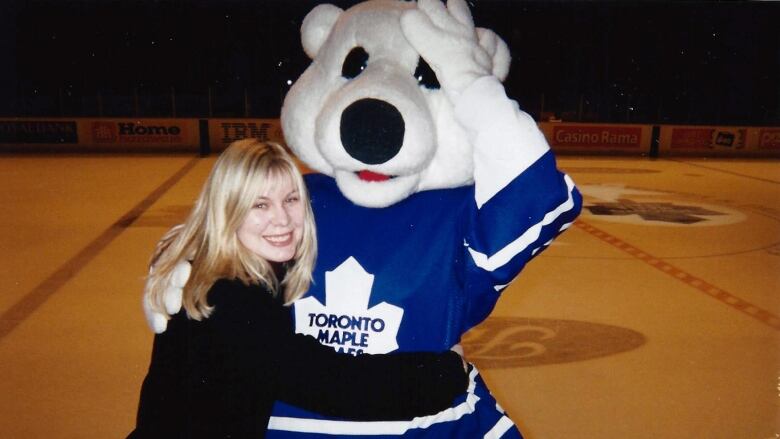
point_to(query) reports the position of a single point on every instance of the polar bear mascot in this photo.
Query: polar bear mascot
(433, 191)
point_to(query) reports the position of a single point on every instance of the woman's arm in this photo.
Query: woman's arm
(368, 387)
(312, 376)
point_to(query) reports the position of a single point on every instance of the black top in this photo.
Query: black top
(218, 377)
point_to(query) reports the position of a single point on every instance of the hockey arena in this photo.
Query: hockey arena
(656, 315)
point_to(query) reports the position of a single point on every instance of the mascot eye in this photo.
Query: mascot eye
(425, 76)
(355, 63)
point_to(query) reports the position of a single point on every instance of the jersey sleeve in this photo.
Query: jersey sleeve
(301, 371)
(521, 200)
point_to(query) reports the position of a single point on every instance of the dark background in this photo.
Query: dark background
(606, 61)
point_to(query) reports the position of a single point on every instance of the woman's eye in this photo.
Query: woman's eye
(355, 63)
(425, 76)
(292, 200)
(259, 206)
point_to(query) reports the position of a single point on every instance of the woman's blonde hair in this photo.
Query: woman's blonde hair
(246, 169)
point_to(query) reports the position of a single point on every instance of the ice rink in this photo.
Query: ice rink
(654, 316)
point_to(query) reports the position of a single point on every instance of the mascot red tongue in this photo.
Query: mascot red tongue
(372, 176)
(412, 263)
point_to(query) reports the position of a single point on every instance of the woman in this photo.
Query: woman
(231, 351)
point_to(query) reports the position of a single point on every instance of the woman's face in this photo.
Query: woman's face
(274, 225)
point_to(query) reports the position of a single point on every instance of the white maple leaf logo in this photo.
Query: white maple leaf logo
(346, 323)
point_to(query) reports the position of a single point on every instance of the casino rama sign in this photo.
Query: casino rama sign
(597, 136)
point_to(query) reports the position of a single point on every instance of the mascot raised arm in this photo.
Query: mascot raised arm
(433, 191)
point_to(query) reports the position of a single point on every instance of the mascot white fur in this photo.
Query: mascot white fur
(433, 192)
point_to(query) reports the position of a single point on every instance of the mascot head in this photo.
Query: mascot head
(370, 112)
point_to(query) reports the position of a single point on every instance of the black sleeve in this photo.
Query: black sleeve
(315, 377)
(161, 408)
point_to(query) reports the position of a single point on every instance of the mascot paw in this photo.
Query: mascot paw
(158, 322)
(447, 39)
(172, 298)
(173, 294)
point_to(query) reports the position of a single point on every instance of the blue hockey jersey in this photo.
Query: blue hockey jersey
(415, 276)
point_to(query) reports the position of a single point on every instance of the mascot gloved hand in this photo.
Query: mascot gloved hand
(433, 190)
(459, 53)
(172, 298)
(157, 312)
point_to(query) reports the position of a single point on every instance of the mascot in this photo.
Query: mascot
(433, 192)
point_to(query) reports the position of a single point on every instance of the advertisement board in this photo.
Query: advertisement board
(707, 138)
(597, 138)
(96, 135)
(184, 135)
(142, 134)
(16, 131)
(769, 139)
(719, 140)
(224, 131)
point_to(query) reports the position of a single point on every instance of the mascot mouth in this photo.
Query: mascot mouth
(373, 176)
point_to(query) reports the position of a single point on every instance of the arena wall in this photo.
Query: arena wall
(204, 136)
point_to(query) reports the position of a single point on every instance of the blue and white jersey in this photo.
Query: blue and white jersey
(415, 276)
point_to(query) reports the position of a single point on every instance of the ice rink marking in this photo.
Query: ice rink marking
(18, 312)
(701, 285)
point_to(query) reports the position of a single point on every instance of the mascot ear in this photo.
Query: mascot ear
(498, 51)
(316, 27)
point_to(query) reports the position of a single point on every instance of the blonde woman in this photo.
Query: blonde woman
(231, 351)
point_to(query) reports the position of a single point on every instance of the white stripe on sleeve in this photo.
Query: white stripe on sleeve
(376, 428)
(501, 257)
(502, 426)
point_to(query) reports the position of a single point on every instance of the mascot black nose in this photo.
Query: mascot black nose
(372, 131)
